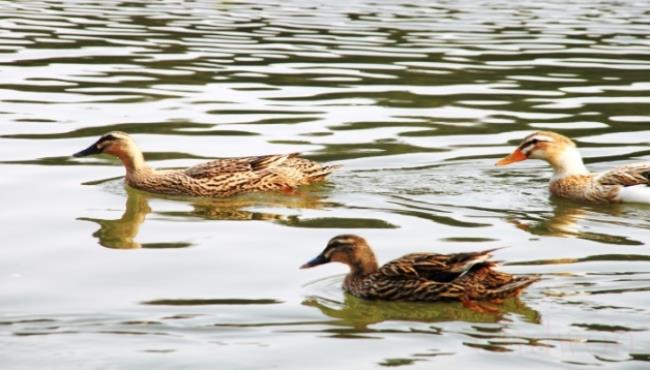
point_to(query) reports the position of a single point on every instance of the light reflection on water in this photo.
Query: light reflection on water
(416, 99)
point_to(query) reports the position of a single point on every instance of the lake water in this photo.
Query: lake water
(416, 99)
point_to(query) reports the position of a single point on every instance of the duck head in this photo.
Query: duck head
(558, 150)
(119, 144)
(111, 143)
(351, 250)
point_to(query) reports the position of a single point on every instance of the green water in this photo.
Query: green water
(416, 99)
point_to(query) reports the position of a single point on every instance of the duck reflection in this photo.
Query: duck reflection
(122, 233)
(565, 221)
(360, 313)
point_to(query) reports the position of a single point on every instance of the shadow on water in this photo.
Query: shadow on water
(209, 302)
(567, 220)
(360, 313)
(417, 98)
(122, 233)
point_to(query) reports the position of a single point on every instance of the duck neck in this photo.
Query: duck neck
(133, 161)
(365, 264)
(568, 163)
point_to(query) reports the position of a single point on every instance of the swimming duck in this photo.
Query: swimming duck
(572, 180)
(218, 178)
(422, 277)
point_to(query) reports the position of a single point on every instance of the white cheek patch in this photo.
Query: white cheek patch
(528, 149)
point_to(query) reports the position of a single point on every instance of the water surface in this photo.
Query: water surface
(416, 100)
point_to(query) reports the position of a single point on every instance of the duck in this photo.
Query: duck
(218, 178)
(421, 277)
(572, 180)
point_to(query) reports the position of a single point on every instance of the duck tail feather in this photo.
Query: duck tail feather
(321, 173)
(515, 287)
(268, 161)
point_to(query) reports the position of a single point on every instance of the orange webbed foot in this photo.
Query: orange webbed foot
(289, 190)
(480, 307)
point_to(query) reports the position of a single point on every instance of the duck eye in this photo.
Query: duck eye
(105, 138)
(534, 141)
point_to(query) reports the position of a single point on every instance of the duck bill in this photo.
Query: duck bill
(93, 149)
(513, 157)
(319, 260)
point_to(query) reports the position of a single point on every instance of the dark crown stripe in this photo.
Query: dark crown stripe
(107, 137)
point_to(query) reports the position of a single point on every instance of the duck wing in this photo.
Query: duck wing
(434, 267)
(630, 175)
(310, 171)
(479, 282)
(482, 282)
(237, 165)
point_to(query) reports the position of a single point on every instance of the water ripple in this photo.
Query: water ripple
(417, 99)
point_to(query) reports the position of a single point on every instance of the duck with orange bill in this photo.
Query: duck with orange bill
(572, 180)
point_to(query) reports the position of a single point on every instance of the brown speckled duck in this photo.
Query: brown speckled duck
(218, 178)
(423, 277)
(572, 180)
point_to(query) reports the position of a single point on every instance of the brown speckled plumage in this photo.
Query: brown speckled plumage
(218, 178)
(601, 187)
(423, 277)
(632, 174)
(583, 188)
(573, 181)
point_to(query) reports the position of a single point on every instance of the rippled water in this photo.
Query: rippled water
(416, 99)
